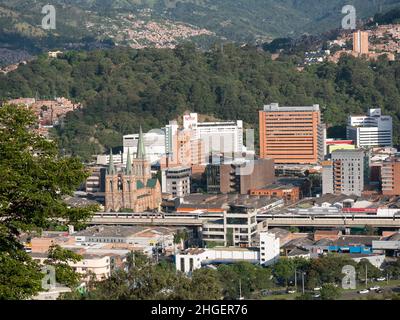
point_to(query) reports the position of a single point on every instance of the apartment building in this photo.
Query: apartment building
(390, 174)
(360, 42)
(291, 135)
(240, 224)
(344, 173)
(371, 130)
(176, 181)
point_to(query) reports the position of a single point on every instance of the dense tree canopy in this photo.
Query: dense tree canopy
(145, 280)
(34, 180)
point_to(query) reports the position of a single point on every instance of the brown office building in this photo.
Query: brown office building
(239, 177)
(391, 176)
(291, 135)
(289, 193)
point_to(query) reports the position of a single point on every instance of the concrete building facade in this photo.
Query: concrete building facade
(269, 248)
(371, 130)
(344, 173)
(390, 175)
(176, 181)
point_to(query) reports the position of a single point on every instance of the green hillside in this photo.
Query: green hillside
(234, 20)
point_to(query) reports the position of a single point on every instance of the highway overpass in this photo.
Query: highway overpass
(286, 221)
(156, 221)
(270, 220)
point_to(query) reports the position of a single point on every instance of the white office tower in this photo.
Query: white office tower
(176, 181)
(372, 130)
(269, 248)
(154, 142)
(220, 137)
(171, 131)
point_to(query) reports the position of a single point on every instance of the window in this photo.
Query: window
(182, 264)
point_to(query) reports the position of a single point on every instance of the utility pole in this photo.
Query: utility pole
(295, 278)
(240, 290)
(366, 275)
(302, 277)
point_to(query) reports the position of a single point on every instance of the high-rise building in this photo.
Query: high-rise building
(292, 135)
(344, 173)
(224, 137)
(390, 175)
(371, 130)
(360, 42)
(176, 181)
(133, 188)
(182, 147)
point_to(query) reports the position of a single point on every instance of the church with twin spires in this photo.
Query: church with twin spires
(132, 188)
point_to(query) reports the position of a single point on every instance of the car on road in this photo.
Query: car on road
(290, 290)
(381, 279)
(265, 292)
(374, 288)
(364, 291)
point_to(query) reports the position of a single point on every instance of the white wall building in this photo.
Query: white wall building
(226, 137)
(371, 130)
(176, 181)
(97, 264)
(269, 248)
(195, 258)
(104, 159)
(154, 143)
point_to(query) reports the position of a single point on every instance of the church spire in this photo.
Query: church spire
(141, 152)
(128, 164)
(111, 167)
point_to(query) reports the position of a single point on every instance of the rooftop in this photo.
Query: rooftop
(123, 231)
(274, 107)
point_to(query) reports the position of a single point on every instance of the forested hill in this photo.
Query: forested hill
(122, 88)
(80, 23)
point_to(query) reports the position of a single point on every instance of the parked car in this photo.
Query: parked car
(317, 295)
(374, 288)
(381, 279)
(317, 289)
(265, 292)
(291, 290)
(379, 291)
(364, 291)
